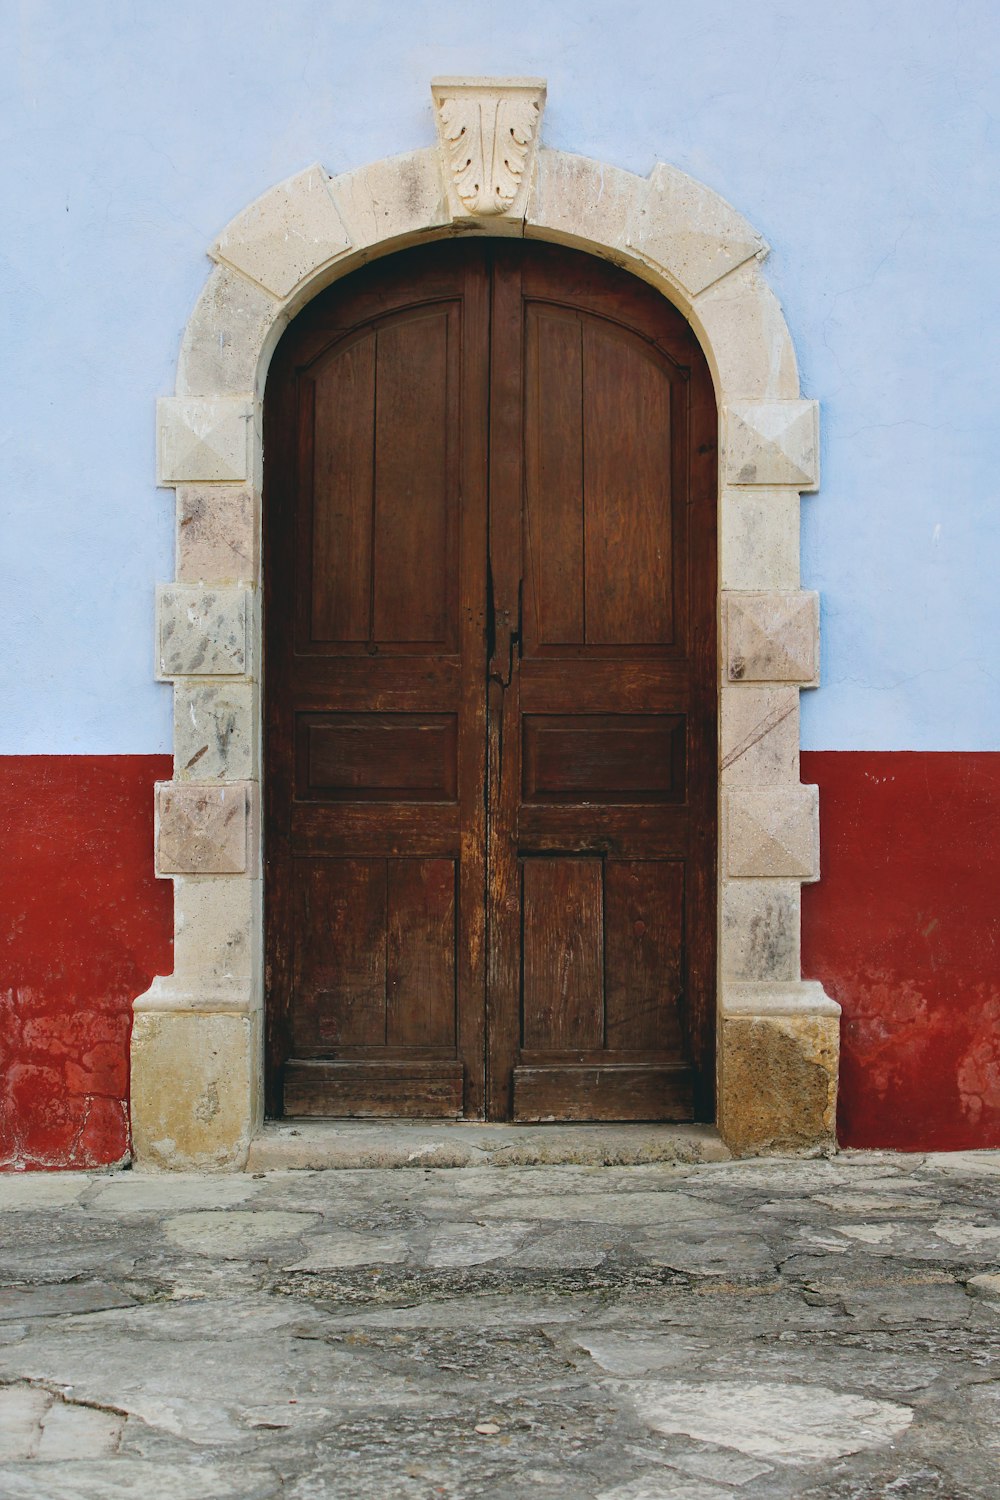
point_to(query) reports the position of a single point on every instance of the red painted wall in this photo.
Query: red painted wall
(84, 926)
(904, 930)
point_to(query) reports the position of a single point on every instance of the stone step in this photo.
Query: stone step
(287, 1144)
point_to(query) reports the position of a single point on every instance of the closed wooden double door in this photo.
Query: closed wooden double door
(489, 675)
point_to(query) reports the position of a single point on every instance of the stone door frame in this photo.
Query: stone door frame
(197, 1041)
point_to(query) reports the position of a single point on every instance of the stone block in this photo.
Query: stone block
(759, 735)
(488, 131)
(746, 339)
(577, 201)
(213, 731)
(778, 1082)
(772, 637)
(759, 538)
(214, 924)
(221, 350)
(194, 1091)
(771, 832)
(203, 830)
(202, 632)
(760, 930)
(217, 534)
(771, 442)
(395, 200)
(689, 232)
(287, 234)
(203, 440)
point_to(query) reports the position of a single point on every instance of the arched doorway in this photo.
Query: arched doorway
(490, 752)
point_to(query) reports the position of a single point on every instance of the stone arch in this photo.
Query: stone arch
(196, 1048)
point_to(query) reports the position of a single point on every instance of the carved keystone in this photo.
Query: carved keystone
(772, 637)
(488, 134)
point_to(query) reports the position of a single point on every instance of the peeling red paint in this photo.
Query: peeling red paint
(84, 926)
(904, 930)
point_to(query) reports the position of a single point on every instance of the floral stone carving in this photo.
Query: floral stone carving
(488, 132)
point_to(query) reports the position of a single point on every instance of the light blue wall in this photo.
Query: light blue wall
(860, 138)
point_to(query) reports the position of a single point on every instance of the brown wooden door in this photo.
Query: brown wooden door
(490, 695)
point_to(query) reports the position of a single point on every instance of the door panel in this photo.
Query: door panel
(490, 694)
(375, 526)
(602, 730)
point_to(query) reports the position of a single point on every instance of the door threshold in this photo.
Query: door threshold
(290, 1144)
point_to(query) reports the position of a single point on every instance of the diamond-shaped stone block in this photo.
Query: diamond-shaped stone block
(772, 637)
(772, 442)
(287, 234)
(202, 632)
(203, 830)
(202, 439)
(773, 832)
(690, 232)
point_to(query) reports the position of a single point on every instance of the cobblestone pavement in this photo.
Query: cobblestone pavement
(663, 1332)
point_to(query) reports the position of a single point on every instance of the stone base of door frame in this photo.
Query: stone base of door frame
(196, 1098)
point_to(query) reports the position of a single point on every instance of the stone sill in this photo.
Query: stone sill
(301, 1144)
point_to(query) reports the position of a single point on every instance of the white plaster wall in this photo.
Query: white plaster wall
(858, 138)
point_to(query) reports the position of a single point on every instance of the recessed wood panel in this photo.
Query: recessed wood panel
(412, 582)
(604, 1092)
(374, 1090)
(563, 987)
(420, 953)
(339, 916)
(644, 937)
(627, 469)
(377, 756)
(603, 757)
(553, 474)
(337, 410)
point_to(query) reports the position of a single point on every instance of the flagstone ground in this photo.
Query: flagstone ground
(769, 1330)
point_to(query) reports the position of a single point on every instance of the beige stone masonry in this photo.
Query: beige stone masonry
(218, 529)
(197, 1044)
(772, 442)
(393, 203)
(205, 830)
(771, 637)
(286, 235)
(689, 232)
(223, 338)
(760, 931)
(772, 832)
(214, 731)
(203, 438)
(778, 1077)
(759, 736)
(577, 201)
(202, 632)
(752, 357)
(759, 538)
(195, 1095)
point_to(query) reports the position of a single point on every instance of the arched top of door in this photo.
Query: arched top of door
(488, 176)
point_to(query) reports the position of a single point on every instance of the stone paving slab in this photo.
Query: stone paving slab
(677, 1330)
